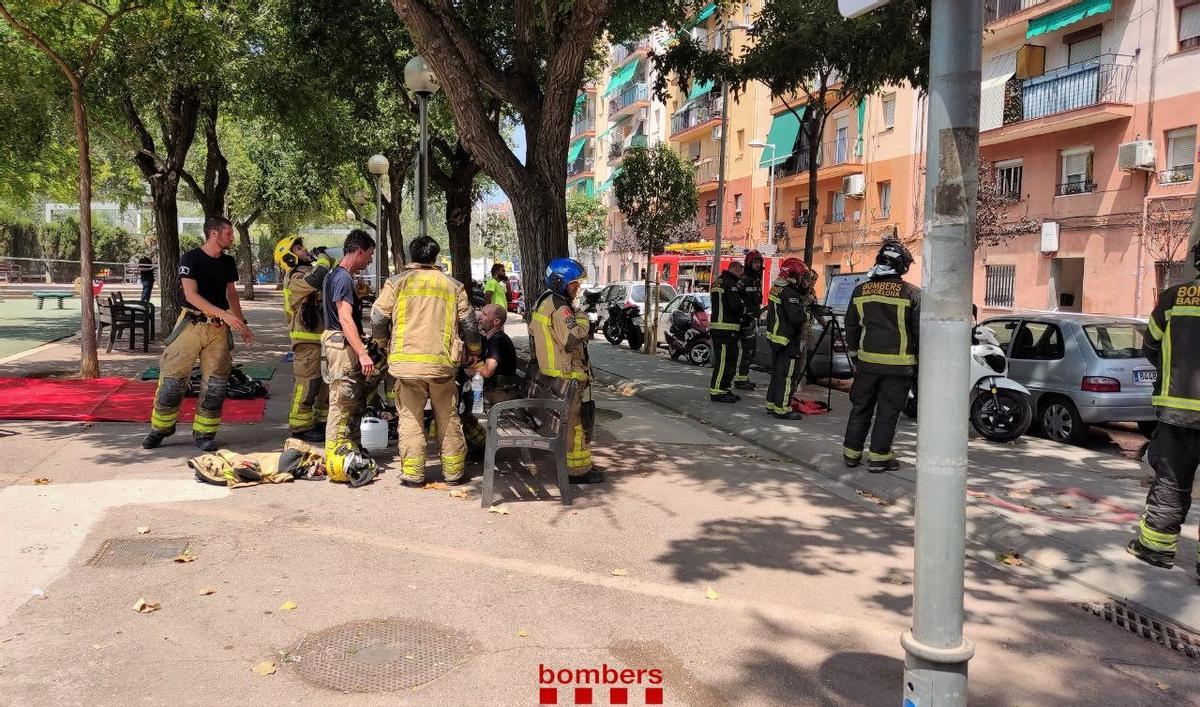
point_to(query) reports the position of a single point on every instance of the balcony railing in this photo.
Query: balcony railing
(706, 171)
(622, 52)
(1177, 175)
(1075, 188)
(999, 9)
(1076, 86)
(618, 149)
(696, 113)
(836, 217)
(829, 154)
(581, 165)
(583, 125)
(632, 94)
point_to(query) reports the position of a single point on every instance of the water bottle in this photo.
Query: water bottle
(477, 390)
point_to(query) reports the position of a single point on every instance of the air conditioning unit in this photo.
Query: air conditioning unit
(1049, 237)
(1138, 154)
(716, 134)
(854, 186)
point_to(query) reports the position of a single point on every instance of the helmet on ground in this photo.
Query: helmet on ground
(753, 255)
(348, 465)
(562, 272)
(794, 269)
(893, 254)
(284, 256)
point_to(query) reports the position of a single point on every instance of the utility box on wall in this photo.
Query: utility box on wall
(1049, 237)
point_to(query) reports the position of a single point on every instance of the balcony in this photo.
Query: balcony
(618, 149)
(622, 52)
(1177, 175)
(583, 165)
(835, 217)
(1072, 188)
(583, 125)
(996, 10)
(835, 158)
(633, 94)
(706, 171)
(1069, 97)
(696, 114)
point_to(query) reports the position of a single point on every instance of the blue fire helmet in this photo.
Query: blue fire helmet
(562, 272)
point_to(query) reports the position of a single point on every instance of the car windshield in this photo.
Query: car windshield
(665, 293)
(1115, 340)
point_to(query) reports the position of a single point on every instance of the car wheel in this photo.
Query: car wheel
(1147, 428)
(1060, 421)
(612, 331)
(699, 354)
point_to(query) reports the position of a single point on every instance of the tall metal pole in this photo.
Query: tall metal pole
(379, 230)
(1189, 269)
(716, 263)
(423, 176)
(771, 222)
(936, 652)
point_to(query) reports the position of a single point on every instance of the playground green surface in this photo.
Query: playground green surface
(23, 326)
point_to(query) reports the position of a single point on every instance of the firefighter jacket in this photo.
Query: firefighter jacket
(882, 324)
(559, 337)
(787, 316)
(302, 300)
(752, 292)
(431, 322)
(1173, 338)
(728, 306)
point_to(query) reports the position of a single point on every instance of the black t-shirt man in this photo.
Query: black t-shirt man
(145, 269)
(499, 347)
(212, 275)
(339, 287)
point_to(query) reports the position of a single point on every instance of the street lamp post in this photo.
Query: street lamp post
(769, 251)
(378, 166)
(420, 79)
(726, 31)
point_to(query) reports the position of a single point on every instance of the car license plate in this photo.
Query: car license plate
(1149, 376)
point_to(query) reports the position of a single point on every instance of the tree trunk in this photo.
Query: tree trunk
(163, 192)
(540, 212)
(810, 228)
(383, 229)
(396, 242)
(651, 302)
(459, 201)
(245, 255)
(89, 360)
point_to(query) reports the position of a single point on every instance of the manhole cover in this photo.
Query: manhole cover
(381, 655)
(138, 552)
(1147, 625)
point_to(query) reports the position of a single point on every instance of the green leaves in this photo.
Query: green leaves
(656, 193)
(586, 222)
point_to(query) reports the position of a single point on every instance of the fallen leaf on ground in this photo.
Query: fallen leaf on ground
(1010, 558)
(267, 667)
(458, 492)
(185, 557)
(288, 605)
(897, 578)
(145, 607)
(208, 590)
(1066, 503)
(40, 482)
(711, 593)
(143, 530)
(435, 486)
(619, 572)
(522, 634)
(498, 509)
(1162, 686)
(1020, 493)
(873, 498)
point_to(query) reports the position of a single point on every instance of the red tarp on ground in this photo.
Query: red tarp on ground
(102, 400)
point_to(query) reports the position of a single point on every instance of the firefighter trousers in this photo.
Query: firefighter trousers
(747, 350)
(310, 394)
(725, 361)
(349, 391)
(442, 394)
(1174, 454)
(212, 344)
(786, 369)
(880, 396)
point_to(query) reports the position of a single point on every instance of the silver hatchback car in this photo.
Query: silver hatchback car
(1081, 369)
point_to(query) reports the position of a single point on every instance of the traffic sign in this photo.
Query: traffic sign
(853, 8)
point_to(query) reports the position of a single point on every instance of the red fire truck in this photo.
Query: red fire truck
(688, 266)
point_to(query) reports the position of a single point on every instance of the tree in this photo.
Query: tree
(532, 58)
(815, 62)
(656, 193)
(587, 224)
(496, 235)
(71, 37)
(1165, 234)
(993, 225)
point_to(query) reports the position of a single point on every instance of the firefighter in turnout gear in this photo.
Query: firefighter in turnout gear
(1171, 344)
(882, 325)
(211, 313)
(433, 332)
(752, 291)
(725, 327)
(787, 323)
(559, 335)
(304, 274)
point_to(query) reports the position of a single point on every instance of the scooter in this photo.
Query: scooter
(625, 322)
(688, 337)
(1001, 408)
(591, 307)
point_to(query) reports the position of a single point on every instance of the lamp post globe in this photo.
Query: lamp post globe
(419, 77)
(377, 165)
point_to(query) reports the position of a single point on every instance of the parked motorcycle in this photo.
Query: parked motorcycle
(591, 307)
(625, 322)
(688, 337)
(1001, 408)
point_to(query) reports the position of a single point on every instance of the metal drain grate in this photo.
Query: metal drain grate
(1149, 627)
(381, 655)
(138, 551)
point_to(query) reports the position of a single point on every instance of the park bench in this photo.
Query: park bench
(537, 421)
(43, 295)
(10, 272)
(118, 318)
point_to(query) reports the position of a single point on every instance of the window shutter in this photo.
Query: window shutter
(1183, 149)
(1076, 165)
(1084, 50)
(1189, 22)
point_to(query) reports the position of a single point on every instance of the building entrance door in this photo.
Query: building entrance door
(1066, 285)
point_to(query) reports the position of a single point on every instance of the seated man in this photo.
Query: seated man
(497, 366)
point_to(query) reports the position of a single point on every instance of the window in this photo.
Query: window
(1076, 171)
(693, 150)
(838, 215)
(1168, 274)
(1181, 155)
(741, 137)
(608, 273)
(885, 199)
(1008, 178)
(1003, 329)
(710, 212)
(1037, 341)
(1083, 45)
(1123, 341)
(889, 111)
(800, 214)
(737, 208)
(841, 146)
(1001, 285)
(1189, 26)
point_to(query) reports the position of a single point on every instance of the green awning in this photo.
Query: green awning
(580, 102)
(1067, 16)
(621, 78)
(784, 129)
(609, 182)
(576, 148)
(606, 132)
(705, 13)
(862, 119)
(699, 88)
(587, 186)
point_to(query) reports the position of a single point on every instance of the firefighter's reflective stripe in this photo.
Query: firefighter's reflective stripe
(877, 457)
(550, 366)
(290, 313)
(852, 453)
(579, 456)
(453, 464)
(402, 296)
(720, 369)
(896, 359)
(1155, 332)
(774, 336)
(203, 424)
(718, 294)
(1156, 540)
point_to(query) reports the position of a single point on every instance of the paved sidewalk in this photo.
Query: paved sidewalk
(1067, 509)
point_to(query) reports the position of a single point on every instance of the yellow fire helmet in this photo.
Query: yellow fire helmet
(284, 257)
